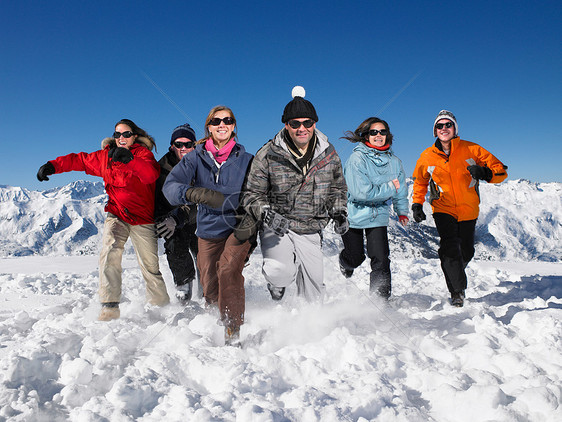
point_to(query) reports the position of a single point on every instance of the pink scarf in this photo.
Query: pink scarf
(222, 154)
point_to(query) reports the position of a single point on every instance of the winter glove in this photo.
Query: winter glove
(275, 221)
(209, 197)
(246, 227)
(419, 215)
(44, 171)
(120, 154)
(403, 220)
(165, 228)
(480, 172)
(341, 225)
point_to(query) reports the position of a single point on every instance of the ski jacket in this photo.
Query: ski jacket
(199, 169)
(452, 189)
(129, 187)
(183, 214)
(307, 200)
(370, 191)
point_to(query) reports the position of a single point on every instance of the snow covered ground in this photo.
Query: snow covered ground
(354, 358)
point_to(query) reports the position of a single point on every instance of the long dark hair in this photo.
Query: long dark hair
(137, 131)
(362, 132)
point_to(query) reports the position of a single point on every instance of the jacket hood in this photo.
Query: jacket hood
(143, 140)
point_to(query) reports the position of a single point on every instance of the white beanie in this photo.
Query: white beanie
(446, 114)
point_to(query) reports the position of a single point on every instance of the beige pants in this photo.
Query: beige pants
(115, 234)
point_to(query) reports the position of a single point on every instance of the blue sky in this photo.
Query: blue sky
(69, 70)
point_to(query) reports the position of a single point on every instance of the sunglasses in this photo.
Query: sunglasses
(215, 121)
(126, 134)
(180, 145)
(375, 132)
(295, 124)
(447, 125)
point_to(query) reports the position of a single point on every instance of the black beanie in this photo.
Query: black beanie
(183, 131)
(299, 108)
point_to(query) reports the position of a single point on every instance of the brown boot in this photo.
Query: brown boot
(232, 336)
(109, 312)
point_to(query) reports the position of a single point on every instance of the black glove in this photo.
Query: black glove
(419, 215)
(165, 228)
(209, 197)
(246, 227)
(44, 171)
(120, 154)
(341, 225)
(480, 172)
(275, 221)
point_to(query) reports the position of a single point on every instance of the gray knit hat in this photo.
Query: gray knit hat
(446, 114)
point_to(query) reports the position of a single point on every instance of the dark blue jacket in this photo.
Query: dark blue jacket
(198, 169)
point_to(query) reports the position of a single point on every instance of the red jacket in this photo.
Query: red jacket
(454, 191)
(130, 187)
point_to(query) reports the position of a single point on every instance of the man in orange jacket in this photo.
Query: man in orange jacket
(453, 168)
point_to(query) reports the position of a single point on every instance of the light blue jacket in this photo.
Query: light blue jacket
(370, 191)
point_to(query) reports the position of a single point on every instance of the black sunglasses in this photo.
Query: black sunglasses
(126, 134)
(215, 121)
(180, 145)
(447, 125)
(295, 124)
(375, 132)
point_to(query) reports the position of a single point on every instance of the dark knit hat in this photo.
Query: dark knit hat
(446, 114)
(299, 108)
(183, 131)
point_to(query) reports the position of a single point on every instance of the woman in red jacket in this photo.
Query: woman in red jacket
(129, 171)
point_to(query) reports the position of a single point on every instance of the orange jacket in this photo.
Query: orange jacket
(452, 189)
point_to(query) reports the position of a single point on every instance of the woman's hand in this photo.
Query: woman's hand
(120, 154)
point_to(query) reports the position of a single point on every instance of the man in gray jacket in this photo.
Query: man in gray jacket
(295, 186)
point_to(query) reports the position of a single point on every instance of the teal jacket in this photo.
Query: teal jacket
(370, 191)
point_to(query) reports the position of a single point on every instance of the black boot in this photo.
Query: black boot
(345, 270)
(276, 292)
(380, 284)
(457, 299)
(184, 292)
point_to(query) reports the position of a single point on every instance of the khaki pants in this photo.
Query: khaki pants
(115, 234)
(220, 263)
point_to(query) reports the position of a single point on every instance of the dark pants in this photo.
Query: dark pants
(456, 248)
(220, 263)
(353, 255)
(180, 260)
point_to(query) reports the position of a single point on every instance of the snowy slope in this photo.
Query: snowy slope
(67, 220)
(354, 358)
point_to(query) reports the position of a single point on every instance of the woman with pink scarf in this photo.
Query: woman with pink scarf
(212, 176)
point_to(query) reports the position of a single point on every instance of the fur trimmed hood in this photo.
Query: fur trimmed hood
(143, 140)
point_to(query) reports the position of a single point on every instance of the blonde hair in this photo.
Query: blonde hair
(211, 115)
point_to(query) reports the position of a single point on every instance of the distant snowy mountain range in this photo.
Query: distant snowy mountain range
(519, 220)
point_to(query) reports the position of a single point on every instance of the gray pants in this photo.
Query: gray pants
(294, 258)
(115, 234)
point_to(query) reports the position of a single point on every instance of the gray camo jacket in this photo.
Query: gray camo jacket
(308, 200)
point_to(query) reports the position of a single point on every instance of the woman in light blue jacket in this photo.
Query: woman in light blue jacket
(375, 179)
